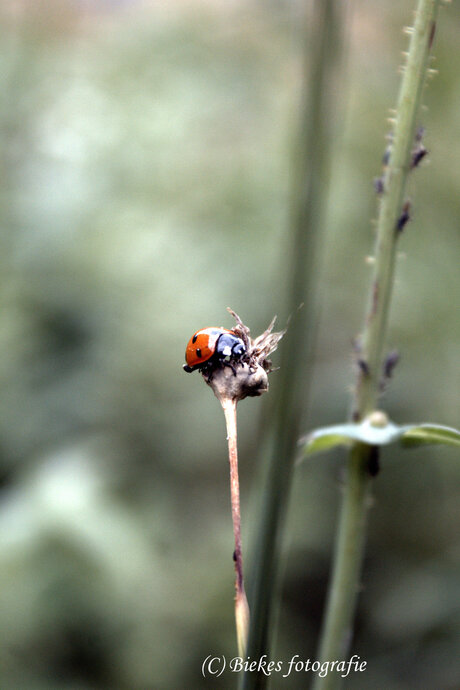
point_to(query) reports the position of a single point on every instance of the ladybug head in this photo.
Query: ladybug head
(230, 345)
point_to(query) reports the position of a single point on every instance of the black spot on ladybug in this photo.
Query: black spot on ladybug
(198, 352)
(194, 338)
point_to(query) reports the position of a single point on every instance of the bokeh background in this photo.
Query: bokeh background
(146, 155)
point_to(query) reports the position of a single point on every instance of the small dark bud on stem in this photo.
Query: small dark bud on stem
(418, 155)
(404, 218)
(386, 156)
(389, 364)
(379, 185)
(364, 367)
(419, 134)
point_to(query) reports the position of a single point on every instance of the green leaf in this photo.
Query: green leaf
(430, 433)
(378, 432)
(325, 439)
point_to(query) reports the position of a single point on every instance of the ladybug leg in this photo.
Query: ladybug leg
(229, 364)
(207, 371)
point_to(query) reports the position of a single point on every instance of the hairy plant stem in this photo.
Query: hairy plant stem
(337, 631)
(241, 603)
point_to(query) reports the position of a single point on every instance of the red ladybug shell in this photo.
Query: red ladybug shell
(202, 345)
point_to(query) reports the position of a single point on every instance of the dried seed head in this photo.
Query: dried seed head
(248, 377)
(246, 381)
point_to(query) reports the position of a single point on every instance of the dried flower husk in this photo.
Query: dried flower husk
(248, 377)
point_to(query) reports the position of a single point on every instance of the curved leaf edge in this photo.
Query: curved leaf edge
(408, 435)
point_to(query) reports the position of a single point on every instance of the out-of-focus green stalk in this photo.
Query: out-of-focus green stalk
(349, 549)
(309, 192)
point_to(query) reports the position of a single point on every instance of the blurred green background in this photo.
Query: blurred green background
(146, 150)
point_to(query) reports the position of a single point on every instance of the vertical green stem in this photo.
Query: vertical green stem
(336, 635)
(391, 206)
(309, 190)
(350, 547)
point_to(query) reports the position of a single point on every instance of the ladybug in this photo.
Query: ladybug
(211, 347)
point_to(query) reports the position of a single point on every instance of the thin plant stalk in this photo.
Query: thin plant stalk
(393, 212)
(308, 202)
(241, 603)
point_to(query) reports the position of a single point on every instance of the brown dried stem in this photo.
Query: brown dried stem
(241, 378)
(241, 603)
